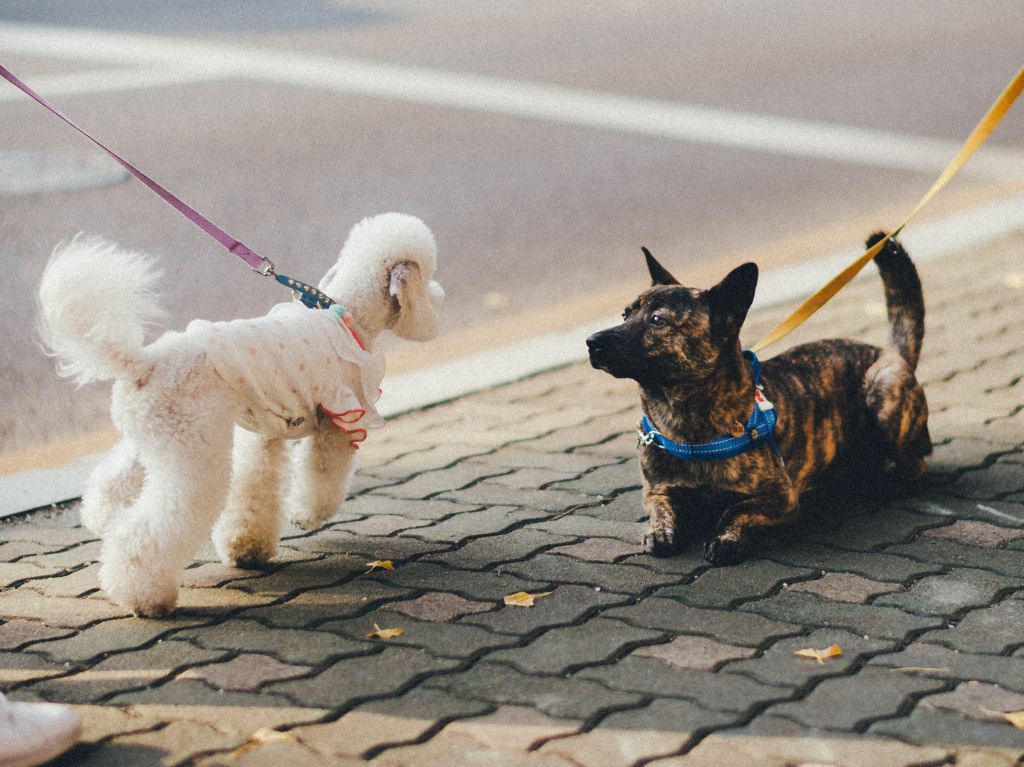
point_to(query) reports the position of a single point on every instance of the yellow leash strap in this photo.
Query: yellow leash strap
(837, 283)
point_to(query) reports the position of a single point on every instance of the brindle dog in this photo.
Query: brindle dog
(841, 405)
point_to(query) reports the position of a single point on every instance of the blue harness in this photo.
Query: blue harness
(758, 430)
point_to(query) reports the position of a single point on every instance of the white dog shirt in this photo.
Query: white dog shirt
(286, 364)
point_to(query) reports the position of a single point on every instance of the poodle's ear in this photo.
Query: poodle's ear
(659, 274)
(417, 300)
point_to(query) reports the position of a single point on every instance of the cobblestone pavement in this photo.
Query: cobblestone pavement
(629, 659)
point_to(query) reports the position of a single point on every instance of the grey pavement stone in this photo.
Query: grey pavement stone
(197, 695)
(554, 499)
(586, 524)
(442, 481)
(339, 542)
(605, 480)
(111, 635)
(873, 565)
(294, 646)
(370, 504)
(725, 586)
(472, 585)
(884, 527)
(489, 551)
(694, 652)
(976, 700)
(125, 671)
(353, 679)
(65, 612)
(946, 663)
(313, 607)
(445, 640)
(565, 605)
(844, 587)
(561, 650)
(661, 728)
(521, 457)
(490, 521)
(620, 578)
(789, 745)
(714, 690)
(16, 633)
(952, 592)
(573, 698)
(809, 610)
(440, 607)
(994, 629)
(390, 721)
(597, 549)
(976, 533)
(846, 703)
(23, 666)
(934, 727)
(779, 666)
(954, 554)
(247, 671)
(517, 729)
(737, 628)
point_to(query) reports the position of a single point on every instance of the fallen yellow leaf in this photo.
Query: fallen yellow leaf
(379, 633)
(379, 564)
(523, 598)
(820, 655)
(1016, 718)
(268, 735)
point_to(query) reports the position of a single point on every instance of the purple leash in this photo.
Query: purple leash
(258, 263)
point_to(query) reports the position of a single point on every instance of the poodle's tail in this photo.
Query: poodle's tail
(96, 302)
(903, 299)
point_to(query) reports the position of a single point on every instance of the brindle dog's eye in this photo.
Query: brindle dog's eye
(657, 321)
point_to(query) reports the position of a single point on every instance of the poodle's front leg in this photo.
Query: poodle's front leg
(113, 486)
(249, 527)
(322, 468)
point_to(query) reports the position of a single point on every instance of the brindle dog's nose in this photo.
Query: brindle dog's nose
(594, 342)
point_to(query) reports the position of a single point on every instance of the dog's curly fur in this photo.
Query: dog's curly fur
(843, 406)
(159, 492)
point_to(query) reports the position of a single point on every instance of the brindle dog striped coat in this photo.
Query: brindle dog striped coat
(842, 405)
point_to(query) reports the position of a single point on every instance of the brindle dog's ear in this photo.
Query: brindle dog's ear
(659, 274)
(731, 298)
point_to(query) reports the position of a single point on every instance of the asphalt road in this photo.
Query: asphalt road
(494, 124)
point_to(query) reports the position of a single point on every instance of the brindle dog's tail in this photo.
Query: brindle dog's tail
(903, 299)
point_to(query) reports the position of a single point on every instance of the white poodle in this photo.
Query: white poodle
(294, 373)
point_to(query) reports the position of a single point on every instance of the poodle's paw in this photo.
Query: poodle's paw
(246, 552)
(146, 599)
(308, 517)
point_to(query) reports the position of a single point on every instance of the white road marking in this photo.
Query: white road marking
(196, 60)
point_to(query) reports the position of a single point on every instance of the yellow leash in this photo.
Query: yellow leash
(837, 283)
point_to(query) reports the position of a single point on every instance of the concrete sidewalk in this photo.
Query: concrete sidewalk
(629, 659)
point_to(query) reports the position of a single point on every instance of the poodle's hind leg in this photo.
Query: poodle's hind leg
(187, 467)
(113, 486)
(248, 529)
(322, 468)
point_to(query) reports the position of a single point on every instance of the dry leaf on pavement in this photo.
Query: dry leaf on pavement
(379, 633)
(380, 564)
(1016, 718)
(820, 655)
(523, 598)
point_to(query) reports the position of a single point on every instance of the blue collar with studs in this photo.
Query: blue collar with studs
(757, 431)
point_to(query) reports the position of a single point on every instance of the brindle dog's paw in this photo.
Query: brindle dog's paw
(660, 543)
(721, 550)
